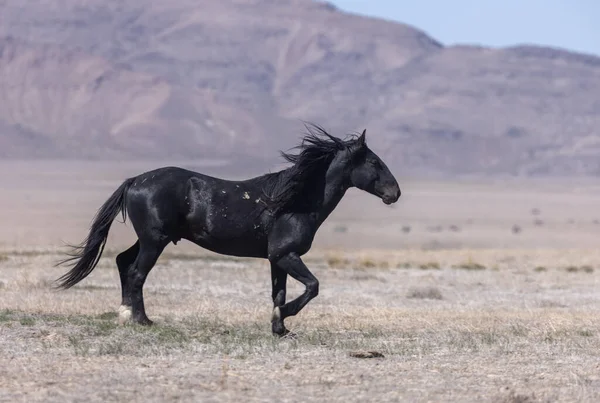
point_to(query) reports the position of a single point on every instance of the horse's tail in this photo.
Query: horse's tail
(87, 254)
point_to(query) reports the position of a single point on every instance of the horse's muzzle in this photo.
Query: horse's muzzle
(391, 196)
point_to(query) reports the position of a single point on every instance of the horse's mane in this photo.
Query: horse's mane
(315, 153)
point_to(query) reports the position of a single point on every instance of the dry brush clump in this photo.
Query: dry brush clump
(424, 293)
(430, 266)
(340, 229)
(577, 269)
(469, 265)
(338, 261)
(514, 397)
(454, 228)
(369, 263)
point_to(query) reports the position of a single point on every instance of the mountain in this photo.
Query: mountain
(232, 80)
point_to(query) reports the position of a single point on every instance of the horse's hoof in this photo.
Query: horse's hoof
(144, 322)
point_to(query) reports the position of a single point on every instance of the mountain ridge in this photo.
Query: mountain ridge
(234, 79)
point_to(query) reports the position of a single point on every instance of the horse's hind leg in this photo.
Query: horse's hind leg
(147, 257)
(125, 260)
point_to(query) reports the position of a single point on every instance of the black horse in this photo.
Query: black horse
(273, 216)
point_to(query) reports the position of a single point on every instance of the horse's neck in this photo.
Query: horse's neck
(335, 188)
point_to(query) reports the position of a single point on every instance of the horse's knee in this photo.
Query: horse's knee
(136, 279)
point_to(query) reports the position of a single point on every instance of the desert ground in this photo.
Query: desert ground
(466, 290)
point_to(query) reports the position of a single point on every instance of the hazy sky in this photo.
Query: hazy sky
(571, 24)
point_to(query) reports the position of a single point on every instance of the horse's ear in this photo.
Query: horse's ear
(362, 139)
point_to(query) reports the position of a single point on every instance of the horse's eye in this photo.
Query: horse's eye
(375, 163)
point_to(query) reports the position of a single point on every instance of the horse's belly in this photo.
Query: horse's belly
(244, 246)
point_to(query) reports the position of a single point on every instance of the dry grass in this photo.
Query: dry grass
(512, 325)
(488, 336)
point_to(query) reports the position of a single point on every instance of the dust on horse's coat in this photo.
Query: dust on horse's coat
(274, 216)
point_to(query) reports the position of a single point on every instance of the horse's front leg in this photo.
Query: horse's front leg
(295, 267)
(279, 283)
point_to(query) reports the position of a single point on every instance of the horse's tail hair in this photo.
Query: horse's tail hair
(84, 257)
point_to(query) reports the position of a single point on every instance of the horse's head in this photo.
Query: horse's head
(369, 173)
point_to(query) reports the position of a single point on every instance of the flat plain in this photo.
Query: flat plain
(463, 291)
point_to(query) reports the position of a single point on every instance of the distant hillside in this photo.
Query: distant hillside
(232, 80)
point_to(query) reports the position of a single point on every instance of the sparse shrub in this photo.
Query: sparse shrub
(342, 229)
(368, 263)
(406, 229)
(515, 132)
(404, 265)
(585, 333)
(111, 348)
(538, 222)
(366, 354)
(575, 269)
(540, 269)
(470, 265)
(27, 321)
(79, 345)
(435, 228)
(572, 269)
(367, 276)
(551, 304)
(3, 258)
(519, 330)
(535, 211)
(454, 228)
(424, 293)
(596, 222)
(337, 261)
(430, 266)
(6, 315)
(513, 397)
(516, 229)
